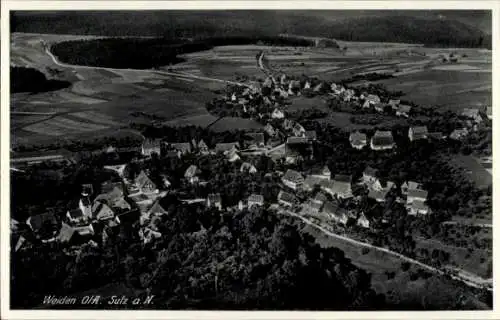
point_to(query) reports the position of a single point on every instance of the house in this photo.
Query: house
(403, 111)
(418, 207)
(203, 147)
(165, 181)
(311, 181)
(119, 169)
(14, 225)
(155, 210)
(382, 140)
(370, 176)
(269, 129)
(311, 208)
(459, 134)
(394, 103)
(85, 206)
(140, 199)
(332, 211)
(416, 195)
(277, 114)
(21, 243)
(248, 167)
(489, 112)
(111, 192)
(286, 199)
(255, 200)
(292, 179)
(268, 82)
(417, 133)
(367, 104)
(363, 221)
(297, 148)
(340, 186)
(283, 79)
(310, 135)
(318, 87)
(232, 156)
(409, 185)
(254, 139)
(378, 195)
(66, 233)
(357, 140)
(182, 147)
(343, 185)
(103, 212)
(214, 201)
(226, 148)
(298, 130)
(320, 198)
(288, 124)
(122, 204)
(191, 174)
(150, 146)
(324, 173)
(373, 99)
(472, 114)
(379, 107)
(307, 85)
(75, 216)
(145, 184)
(43, 223)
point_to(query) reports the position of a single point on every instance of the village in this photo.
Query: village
(333, 200)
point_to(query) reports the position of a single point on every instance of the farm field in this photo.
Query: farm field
(113, 94)
(400, 289)
(448, 89)
(100, 99)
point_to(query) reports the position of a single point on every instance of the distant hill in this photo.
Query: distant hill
(434, 28)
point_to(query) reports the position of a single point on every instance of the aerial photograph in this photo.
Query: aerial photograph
(251, 160)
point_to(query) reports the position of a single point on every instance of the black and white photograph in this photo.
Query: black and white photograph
(249, 159)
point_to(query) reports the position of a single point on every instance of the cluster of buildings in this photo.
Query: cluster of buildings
(95, 217)
(98, 215)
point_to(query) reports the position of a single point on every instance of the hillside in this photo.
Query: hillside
(388, 26)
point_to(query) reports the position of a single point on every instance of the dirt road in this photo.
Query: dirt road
(476, 282)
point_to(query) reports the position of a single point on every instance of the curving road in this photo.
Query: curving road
(476, 282)
(166, 73)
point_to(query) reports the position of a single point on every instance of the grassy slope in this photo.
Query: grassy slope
(435, 292)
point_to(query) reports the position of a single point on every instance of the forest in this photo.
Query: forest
(31, 80)
(142, 53)
(204, 260)
(460, 28)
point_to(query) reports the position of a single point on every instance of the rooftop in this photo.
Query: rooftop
(256, 198)
(370, 171)
(285, 196)
(292, 175)
(417, 193)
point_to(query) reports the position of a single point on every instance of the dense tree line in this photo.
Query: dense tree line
(31, 80)
(402, 28)
(81, 145)
(142, 53)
